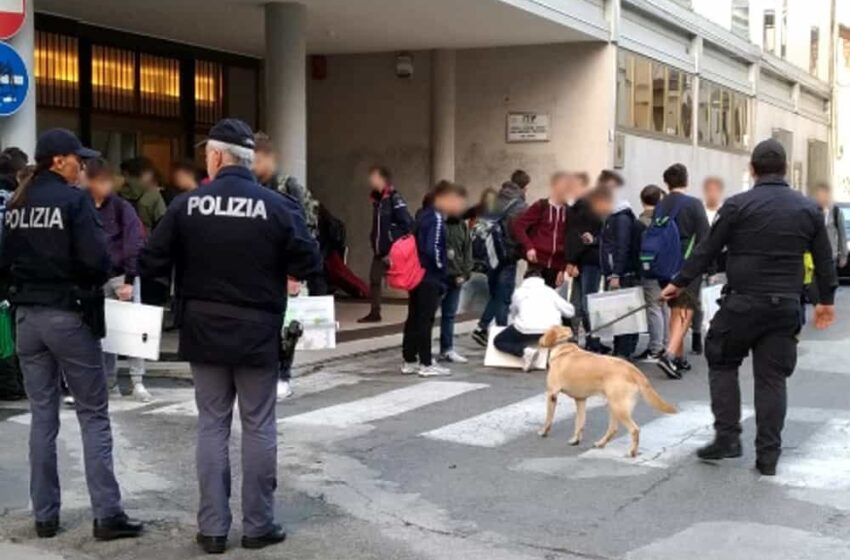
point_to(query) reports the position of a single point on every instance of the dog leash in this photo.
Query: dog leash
(574, 338)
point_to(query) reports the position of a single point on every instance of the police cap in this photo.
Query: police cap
(232, 131)
(61, 142)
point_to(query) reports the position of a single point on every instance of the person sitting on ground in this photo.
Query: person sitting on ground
(510, 204)
(124, 237)
(541, 229)
(447, 199)
(535, 308)
(657, 314)
(693, 227)
(619, 252)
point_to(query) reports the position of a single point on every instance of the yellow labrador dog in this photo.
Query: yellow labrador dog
(582, 374)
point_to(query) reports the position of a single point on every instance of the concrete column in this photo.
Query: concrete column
(286, 85)
(20, 129)
(443, 93)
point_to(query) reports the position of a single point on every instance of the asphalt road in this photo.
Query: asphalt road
(375, 465)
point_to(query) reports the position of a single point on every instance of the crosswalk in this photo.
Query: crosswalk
(820, 462)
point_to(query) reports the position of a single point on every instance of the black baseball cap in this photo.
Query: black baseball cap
(232, 131)
(61, 142)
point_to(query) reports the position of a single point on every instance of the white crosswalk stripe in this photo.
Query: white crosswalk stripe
(503, 425)
(316, 383)
(385, 405)
(822, 462)
(667, 439)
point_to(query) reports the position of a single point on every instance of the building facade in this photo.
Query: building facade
(444, 89)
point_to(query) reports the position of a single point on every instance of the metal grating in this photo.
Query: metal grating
(113, 80)
(159, 86)
(209, 92)
(57, 70)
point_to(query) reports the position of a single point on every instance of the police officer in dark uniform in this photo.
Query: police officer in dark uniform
(55, 261)
(233, 244)
(766, 231)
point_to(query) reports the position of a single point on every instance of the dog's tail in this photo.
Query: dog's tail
(649, 394)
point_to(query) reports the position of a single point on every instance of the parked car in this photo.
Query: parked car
(844, 273)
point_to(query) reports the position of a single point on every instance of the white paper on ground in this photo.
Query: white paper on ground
(495, 358)
(133, 329)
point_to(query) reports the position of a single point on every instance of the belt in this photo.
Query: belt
(773, 298)
(233, 311)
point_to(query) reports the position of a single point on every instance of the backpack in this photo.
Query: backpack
(405, 271)
(489, 240)
(661, 254)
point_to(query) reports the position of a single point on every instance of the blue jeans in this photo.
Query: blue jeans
(448, 312)
(501, 283)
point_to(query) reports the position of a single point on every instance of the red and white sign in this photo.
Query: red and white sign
(12, 15)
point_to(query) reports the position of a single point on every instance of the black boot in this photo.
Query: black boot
(372, 317)
(766, 468)
(720, 449)
(211, 545)
(275, 536)
(117, 527)
(696, 343)
(47, 529)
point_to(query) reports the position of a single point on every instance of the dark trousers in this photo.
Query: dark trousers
(767, 327)
(511, 341)
(586, 283)
(500, 282)
(421, 309)
(216, 390)
(52, 343)
(448, 312)
(376, 281)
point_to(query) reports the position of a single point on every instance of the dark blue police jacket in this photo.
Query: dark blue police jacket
(53, 243)
(232, 244)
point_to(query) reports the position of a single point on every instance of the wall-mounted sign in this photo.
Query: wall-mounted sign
(14, 80)
(528, 127)
(12, 16)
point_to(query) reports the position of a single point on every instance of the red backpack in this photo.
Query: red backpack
(405, 271)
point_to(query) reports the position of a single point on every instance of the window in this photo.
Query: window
(209, 92)
(57, 70)
(653, 97)
(113, 79)
(769, 40)
(724, 117)
(783, 30)
(814, 52)
(159, 84)
(741, 18)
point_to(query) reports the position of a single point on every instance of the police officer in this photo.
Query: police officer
(54, 259)
(233, 244)
(766, 231)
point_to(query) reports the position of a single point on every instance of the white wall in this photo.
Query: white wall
(647, 158)
(573, 83)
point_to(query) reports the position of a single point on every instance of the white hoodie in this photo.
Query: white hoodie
(536, 308)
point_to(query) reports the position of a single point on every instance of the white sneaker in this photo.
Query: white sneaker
(409, 368)
(115, 393)
(284, 390)
(434, 371)
(141, 394)
(529, 358)
(69, 401)
(453, 357)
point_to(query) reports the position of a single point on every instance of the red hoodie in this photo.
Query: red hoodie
(543, 227)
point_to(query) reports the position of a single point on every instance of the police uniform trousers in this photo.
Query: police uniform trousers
(52, 343)
(767, 326)
(216, 389)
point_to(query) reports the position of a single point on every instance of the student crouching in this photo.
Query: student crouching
(447, 199)
(535, 308)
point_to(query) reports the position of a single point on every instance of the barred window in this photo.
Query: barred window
(209, 92)
(724, 117)
(57, 70)
(113, 79)
(159, 86)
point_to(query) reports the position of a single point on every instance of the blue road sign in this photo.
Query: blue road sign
(14, 80)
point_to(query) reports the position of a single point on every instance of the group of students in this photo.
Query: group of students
(583, 233)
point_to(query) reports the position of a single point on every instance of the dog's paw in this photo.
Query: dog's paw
(543, 433)
(632, 454)
(575, 441)
(600, 444)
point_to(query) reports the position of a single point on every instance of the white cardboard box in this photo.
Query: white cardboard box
(318, 317)
(604, 307)
(495, 358)
(133, 329)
